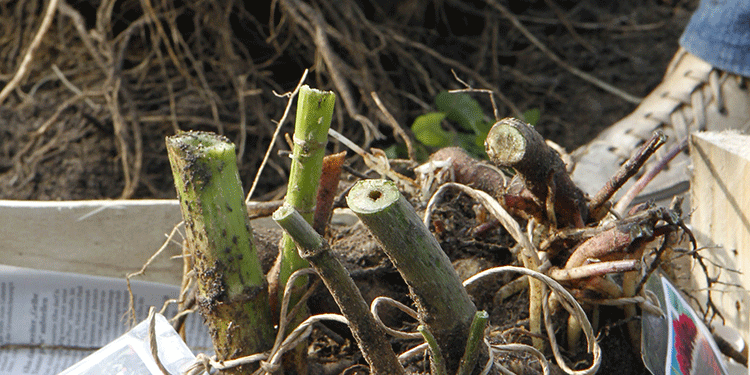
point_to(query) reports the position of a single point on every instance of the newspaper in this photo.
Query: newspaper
(51, 320)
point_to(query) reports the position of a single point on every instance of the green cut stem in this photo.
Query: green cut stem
(442, 302)
(369, 335)
(314, 113)
(232, 292)
(476, 338)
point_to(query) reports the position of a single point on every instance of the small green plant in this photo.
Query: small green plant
(473, 124)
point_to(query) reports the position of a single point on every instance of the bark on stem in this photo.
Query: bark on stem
(513, 143)
(369, 335)
(594, 269)
(639, 185)
(442, 302)
(329, 183)
(621, 237)
(232, 293)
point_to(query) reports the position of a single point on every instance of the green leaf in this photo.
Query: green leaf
(471, 144)
(462, 109)
(392, 152)
(532, 116)
(427, 130)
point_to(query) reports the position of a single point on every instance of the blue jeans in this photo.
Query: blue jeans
(719, 33)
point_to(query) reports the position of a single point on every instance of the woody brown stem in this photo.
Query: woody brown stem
(627, 170)
(513, 143)
(594, 269)
(471, 172)
(646, 178)
(620, 237)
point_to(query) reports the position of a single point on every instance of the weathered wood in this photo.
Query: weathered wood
(721, 221)
(102, 238)
(90, 237)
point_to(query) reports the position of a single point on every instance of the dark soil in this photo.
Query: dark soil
(94, 126)
(141, 81)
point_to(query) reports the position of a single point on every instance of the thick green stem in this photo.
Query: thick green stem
(442, 302)
(369, 335)
(314, 113)
(232, 293)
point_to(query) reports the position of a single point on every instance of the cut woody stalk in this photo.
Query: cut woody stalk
(369, 335)
(625, 238)
(514, 143)
(329, 184)
(630, 279)
(443, 305)
(627, 170)
(232, 293)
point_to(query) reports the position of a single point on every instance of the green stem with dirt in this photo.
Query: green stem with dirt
(232, 292)
(314, 113)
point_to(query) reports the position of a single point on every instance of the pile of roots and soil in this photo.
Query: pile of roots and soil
(101, 83)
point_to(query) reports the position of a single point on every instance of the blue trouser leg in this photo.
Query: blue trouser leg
(719, 33)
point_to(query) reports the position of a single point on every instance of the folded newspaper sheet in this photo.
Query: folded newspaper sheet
(51, 320)
(134, 353)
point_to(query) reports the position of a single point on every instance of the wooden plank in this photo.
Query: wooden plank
(720, 196)
(102, 238)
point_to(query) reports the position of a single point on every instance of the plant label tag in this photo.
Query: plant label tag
(677, 342)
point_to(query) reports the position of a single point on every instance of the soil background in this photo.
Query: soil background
(110, 79)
